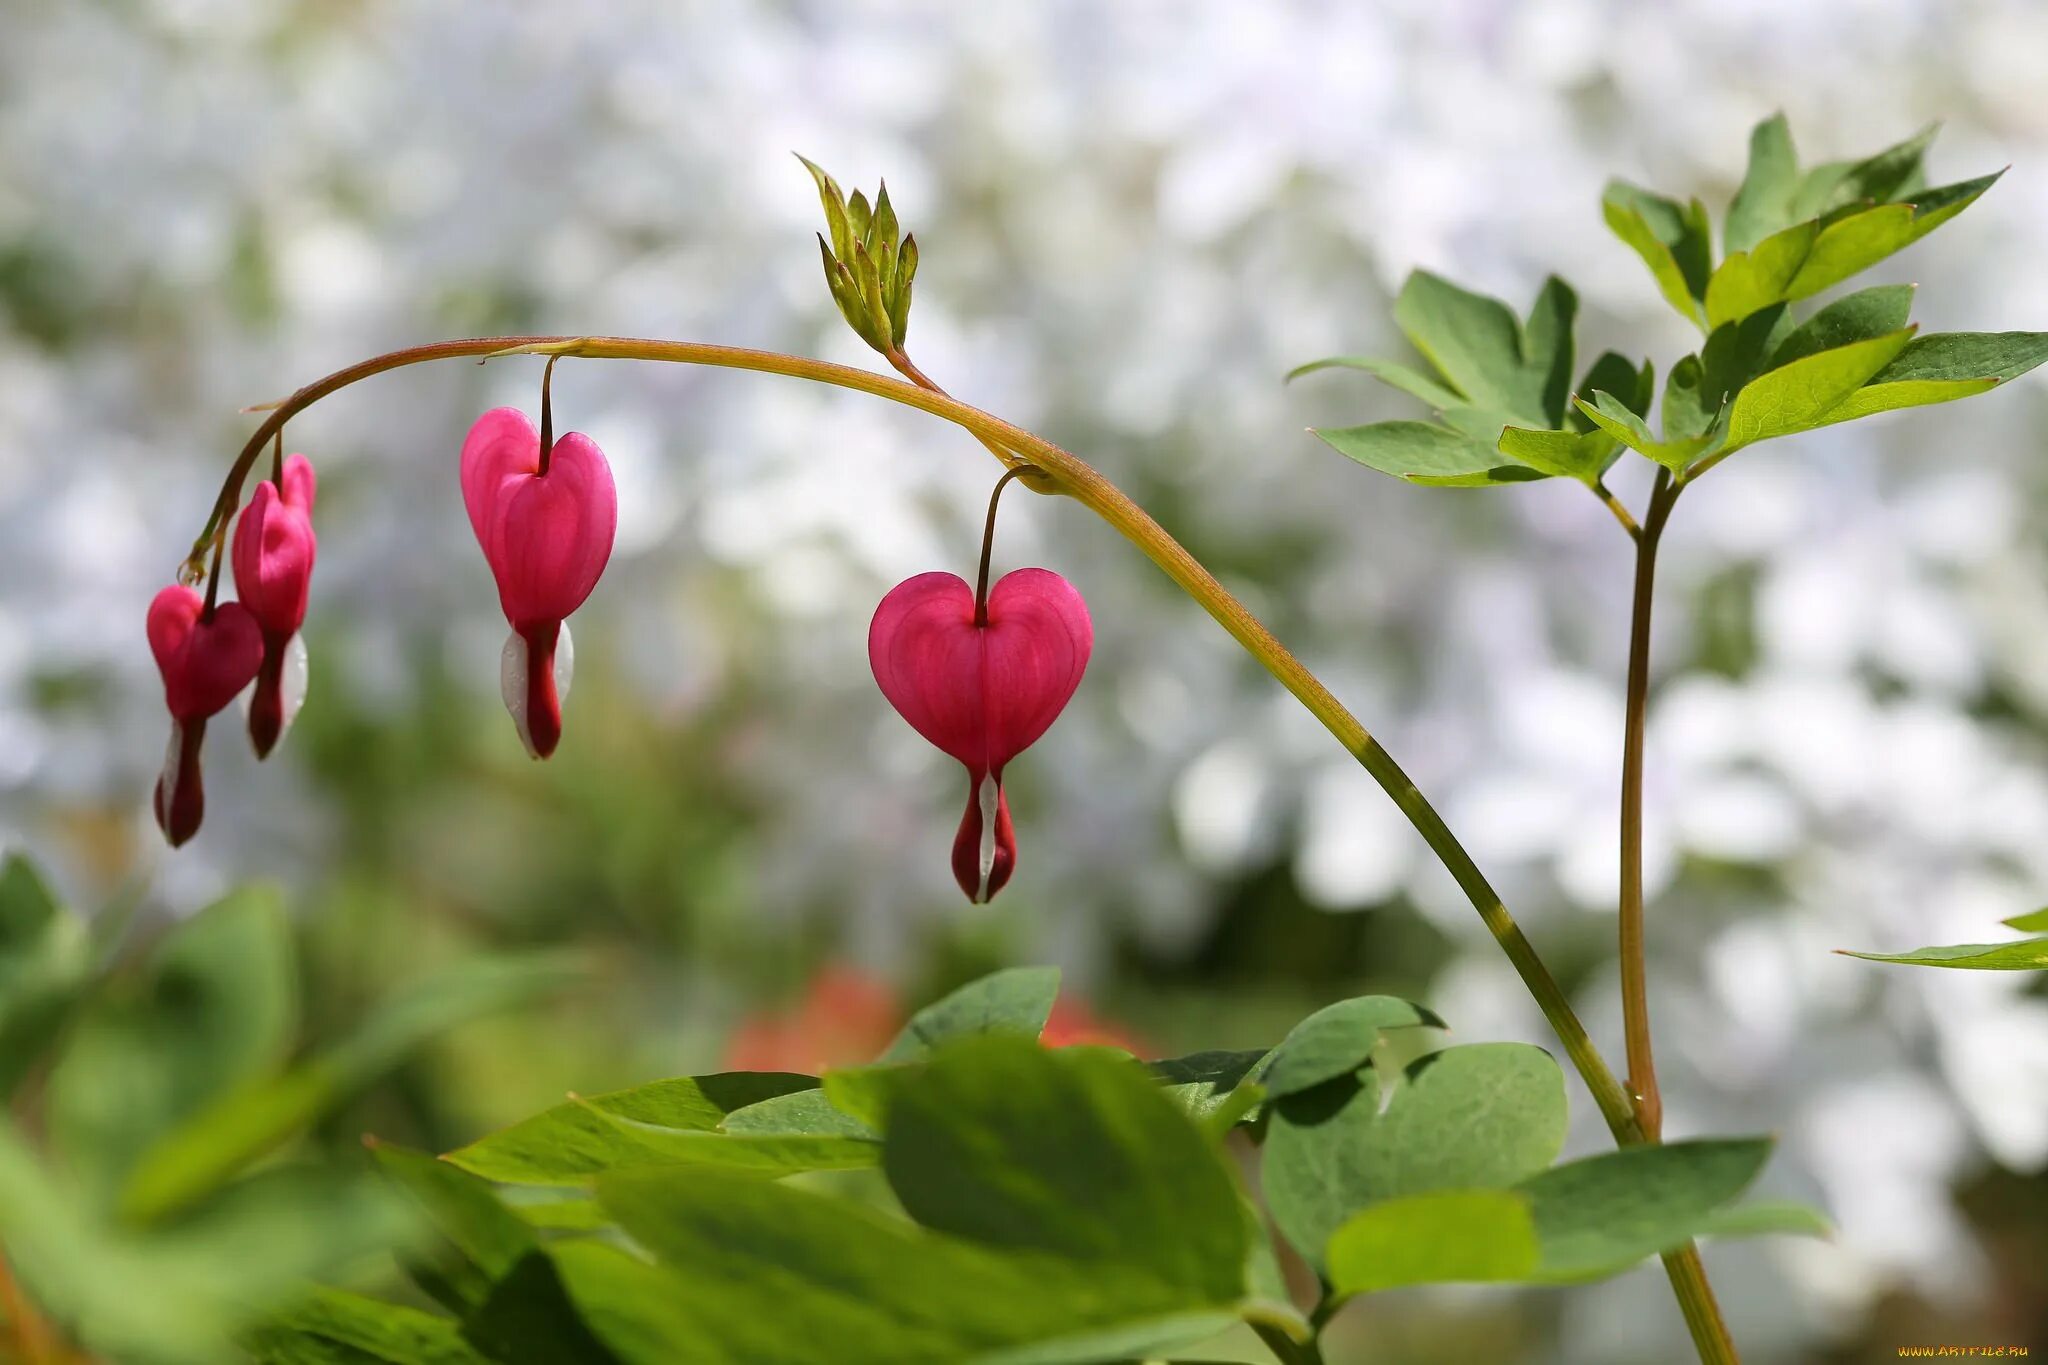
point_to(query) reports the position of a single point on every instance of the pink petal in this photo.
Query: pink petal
(299, 483)
(550, 536)
(981, 694)
(273, 558)
(204, 663)
(500, 444)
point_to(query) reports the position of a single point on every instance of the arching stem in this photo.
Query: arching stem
(1063, 472)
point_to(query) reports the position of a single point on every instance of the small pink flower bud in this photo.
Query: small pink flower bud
(981, 692)
(547, 534)
(273, 561)
(204, 663)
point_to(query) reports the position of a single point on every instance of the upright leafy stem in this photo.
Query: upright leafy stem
(1761, 373)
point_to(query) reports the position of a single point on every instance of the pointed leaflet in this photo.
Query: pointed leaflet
(1405, 378)
(1426, 454)
(1798, 396)
(1808, 257)
(1944, 367)
(1674, 241)
(1859, 316)
(2023, 955)
(1881, 178)
(1764, 202)
(1615, 418)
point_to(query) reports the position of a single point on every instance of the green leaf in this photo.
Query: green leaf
(806, 1113)
(1860, 316)
(750, 1270)
(1478, 1116)
(1761, 276)
(1859, 240)
(834, 203)
(1674, 240)
(1584, 456)
(2023, 955)
(1014, 1002)
(1943, 367)
(512, 1292)
(1426, 454)
(1615, 418)
(212, 1008)
(466, 1210)
(1607, 1212)
(1617, 375)
(1764, 1218)
(214, 1144)
(1336, 1040)
(2034, 921)
(1067, 1152)
(1877, 179)
(369, 1329)
(1700, 388)
(44, 963)
(1474, 341)
(1763, 204)
(569, 1143)
(1589, 1218)
(1444, 1237)
(1798, 396)
(1409, 381)
(1202, 1082)
(1547, 351)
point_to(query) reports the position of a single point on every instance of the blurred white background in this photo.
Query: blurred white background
(1133, 219)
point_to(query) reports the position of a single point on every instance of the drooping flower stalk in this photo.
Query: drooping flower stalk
(982, 674)
(273, 564)
(545, 512)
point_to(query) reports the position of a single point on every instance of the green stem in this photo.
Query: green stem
(1683, 1267)
(1635, 992)
(1286, 1349)
(1061, 471)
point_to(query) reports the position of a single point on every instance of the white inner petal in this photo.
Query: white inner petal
(292, 683)
(512, 678)
(987, 794)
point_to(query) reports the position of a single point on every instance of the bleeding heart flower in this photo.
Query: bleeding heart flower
(546, 526)
(204, 662)
(982, 689)
(273, 559)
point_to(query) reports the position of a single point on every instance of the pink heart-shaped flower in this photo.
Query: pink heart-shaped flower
(273, 559)
(204, 662)
(547, 536)
(981, 692)
(274, 549)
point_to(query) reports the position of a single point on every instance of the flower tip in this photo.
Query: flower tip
(534, 673)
